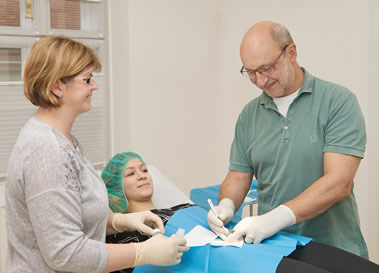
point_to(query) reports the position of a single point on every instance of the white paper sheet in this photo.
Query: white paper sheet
(200, 236)
(219, 242)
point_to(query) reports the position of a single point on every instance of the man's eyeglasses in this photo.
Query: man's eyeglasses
(263, 70)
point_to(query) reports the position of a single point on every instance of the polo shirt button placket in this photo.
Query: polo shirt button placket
(285, 134)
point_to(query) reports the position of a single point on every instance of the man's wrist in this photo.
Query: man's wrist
(282, 216)
(227, 203)
(290, 213)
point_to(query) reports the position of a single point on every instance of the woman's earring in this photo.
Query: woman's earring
(60, 94)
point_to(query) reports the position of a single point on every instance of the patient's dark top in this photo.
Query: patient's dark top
(138, 236)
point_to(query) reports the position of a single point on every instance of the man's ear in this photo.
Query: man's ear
(292, 52)
(57, 90)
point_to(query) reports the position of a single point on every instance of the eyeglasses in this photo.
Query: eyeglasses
(88, 80)
(263, 70)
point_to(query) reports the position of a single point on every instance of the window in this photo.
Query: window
(9, 13)
(22, 22)
(10, 64)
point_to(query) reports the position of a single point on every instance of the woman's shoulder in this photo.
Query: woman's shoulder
(34, 136)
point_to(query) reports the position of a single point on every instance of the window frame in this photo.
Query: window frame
(19, 37)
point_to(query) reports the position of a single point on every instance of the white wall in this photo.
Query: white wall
(176, 88)
(3, 230)
(373, 133)
(174, 112)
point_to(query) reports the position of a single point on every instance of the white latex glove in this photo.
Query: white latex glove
(225, 211)
(144, 221)
(160, 250)
(257, 228)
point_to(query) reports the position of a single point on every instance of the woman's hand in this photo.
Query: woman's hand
(160, 250)
(144, 221)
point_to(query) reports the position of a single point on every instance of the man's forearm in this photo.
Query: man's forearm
(335, 185)
(315, 200)
(235, 187)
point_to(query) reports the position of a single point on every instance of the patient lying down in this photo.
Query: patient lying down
(130, 189)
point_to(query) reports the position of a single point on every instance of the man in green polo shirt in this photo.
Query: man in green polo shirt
(303, 138)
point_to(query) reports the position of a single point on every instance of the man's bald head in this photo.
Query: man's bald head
(269, 54)
(265, 33)
(261, 41)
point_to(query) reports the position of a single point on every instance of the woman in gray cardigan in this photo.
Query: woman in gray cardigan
(56, 204)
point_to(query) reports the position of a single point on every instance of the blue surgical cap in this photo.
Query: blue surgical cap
(113, 176)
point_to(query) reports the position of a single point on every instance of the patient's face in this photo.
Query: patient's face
(138, 185)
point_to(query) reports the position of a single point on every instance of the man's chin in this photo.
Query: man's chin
(275, 93)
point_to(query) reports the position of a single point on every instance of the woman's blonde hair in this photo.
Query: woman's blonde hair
(51, 59)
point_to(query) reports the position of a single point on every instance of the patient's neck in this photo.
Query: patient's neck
(135, 206)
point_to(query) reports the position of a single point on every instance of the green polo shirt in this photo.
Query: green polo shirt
(286, 154)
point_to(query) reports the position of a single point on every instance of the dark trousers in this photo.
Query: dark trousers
(321, 258)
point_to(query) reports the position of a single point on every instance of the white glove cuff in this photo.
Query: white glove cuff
(115, 222)
(227, 203)
(291, 214)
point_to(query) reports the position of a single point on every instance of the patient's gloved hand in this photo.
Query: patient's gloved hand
(225, 211)
(144, 221)
(160, 250)
(257, 228)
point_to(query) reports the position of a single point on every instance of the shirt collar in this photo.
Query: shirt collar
(306, 87)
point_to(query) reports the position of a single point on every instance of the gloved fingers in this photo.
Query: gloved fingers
(213, 220)
(221, 232)
(221, 214)
(146, 229)
(179, 257)
(149, 226)
(235, 236)
(225, 210)
(226, 231)
(217, 226)
(153, 221)
(180, 241)
(224, 216)
(182, 249)
(254, 237)
(257, 240)
(249, 239)
(219, 229)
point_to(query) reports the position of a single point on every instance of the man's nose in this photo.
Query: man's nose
(261, 80)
